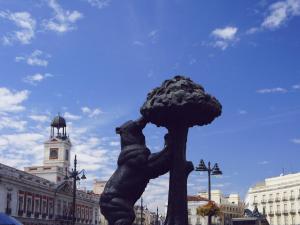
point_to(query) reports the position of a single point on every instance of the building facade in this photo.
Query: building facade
(40, 195)
(230, 206)
(278, 198)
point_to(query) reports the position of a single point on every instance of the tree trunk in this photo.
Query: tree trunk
(177, 213)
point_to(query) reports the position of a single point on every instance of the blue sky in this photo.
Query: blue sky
(94, 61)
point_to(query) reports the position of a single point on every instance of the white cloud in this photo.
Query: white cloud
(91, 112)
(242, 112)
(296, 141)
(34, 59)
(227, 33)
(12, 123)
(271, 90)
(138, 43)
(224, 37)
(252, 30)
(10, 101)
(70, 116)
(63, 20)
(36, 78)
(100, 4)
(265, 162)
(296, 86)
(192, 61)
(153, 35)
(39, 118)
(280, 12)
(24, 22)
(114, 143)
(22, 148)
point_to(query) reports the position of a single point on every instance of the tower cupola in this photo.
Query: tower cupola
(59, 125)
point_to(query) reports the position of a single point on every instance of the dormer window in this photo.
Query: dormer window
(53, 153)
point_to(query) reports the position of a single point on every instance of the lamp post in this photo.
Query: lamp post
(156, 216)
(211, 171)
(74, 175)
(141, 210)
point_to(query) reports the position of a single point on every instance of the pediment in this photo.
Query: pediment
(65, 187)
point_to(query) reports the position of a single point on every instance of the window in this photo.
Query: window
(67, 154)
(292, 206)
(278, 220)
(293, 220)
(37, 205)
(21, 202)
(82, 213)
(59, 207)
(189, 212)
(29, 204)
(96, 214)
(53, 153)
(285, 220)
(51, 207)
(198, 220)
(255, 199)
(8, 201)
(65, 209)
(44, 206)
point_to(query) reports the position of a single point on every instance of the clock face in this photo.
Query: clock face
(53, 153)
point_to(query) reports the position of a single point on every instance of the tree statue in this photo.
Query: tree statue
(136, 166)
(177, 105)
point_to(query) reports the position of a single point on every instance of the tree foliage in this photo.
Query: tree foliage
(209, 209)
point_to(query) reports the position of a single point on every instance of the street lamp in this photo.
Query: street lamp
(74, 175)
(211, 171)
(142, 208)
(156, 223)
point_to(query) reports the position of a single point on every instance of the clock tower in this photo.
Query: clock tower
(57, 149)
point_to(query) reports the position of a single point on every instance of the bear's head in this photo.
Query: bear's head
(131, 132)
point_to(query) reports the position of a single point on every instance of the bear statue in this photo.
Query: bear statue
(136, 166)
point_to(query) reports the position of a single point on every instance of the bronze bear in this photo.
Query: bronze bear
(136, 166)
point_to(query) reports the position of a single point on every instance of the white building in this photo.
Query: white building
(40, 195)
(98, 186)
(230, 206)
(278, 198)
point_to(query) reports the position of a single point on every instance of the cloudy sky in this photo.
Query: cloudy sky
(94, 61)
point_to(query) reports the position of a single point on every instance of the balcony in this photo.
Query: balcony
(271, 213)
(278, 213)
(271, 200)
(285, 212)
(277, 199)
(284, 198)
(8, 211)
(263, 201)
(292, 211)
(292, 197)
